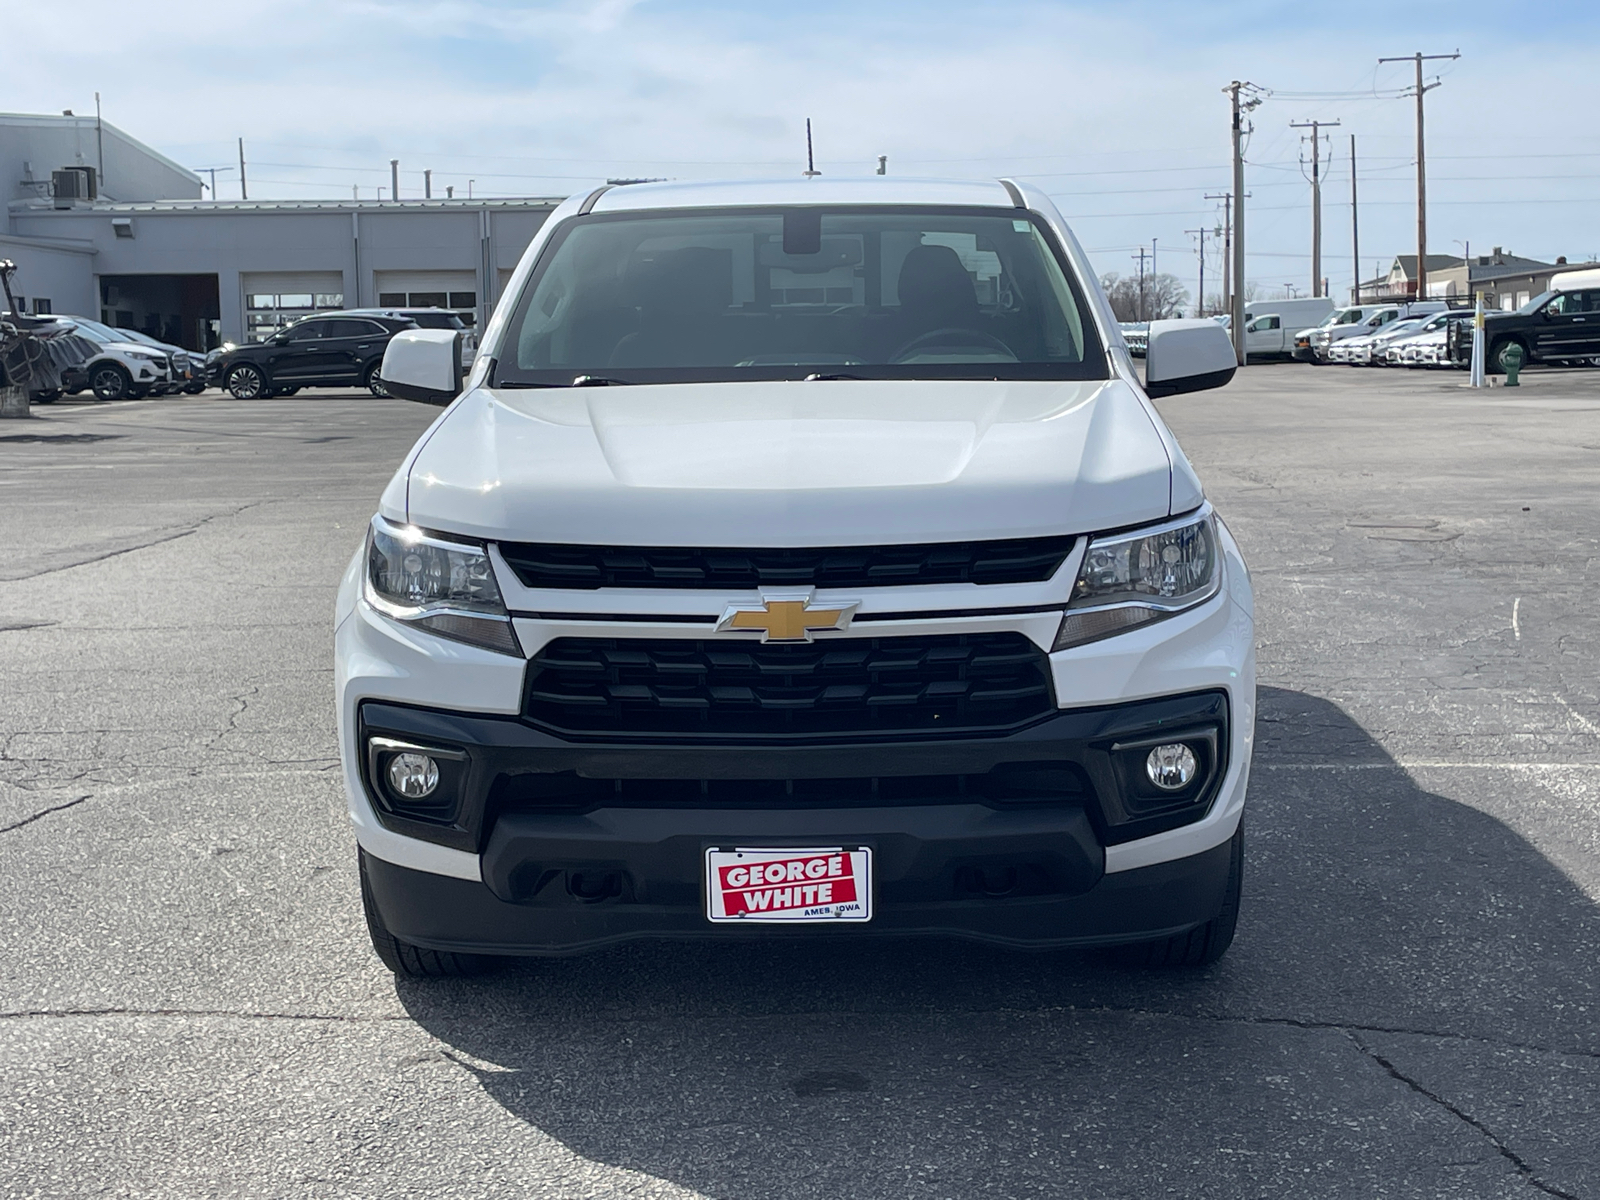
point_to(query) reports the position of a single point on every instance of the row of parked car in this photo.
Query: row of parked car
(332, 349)
(1421, 339)
(1560, 326)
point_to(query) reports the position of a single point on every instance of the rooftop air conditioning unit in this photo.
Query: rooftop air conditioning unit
(70, 184)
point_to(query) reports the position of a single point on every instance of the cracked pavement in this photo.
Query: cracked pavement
(188, 1005)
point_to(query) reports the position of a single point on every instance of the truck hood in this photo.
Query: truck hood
(840, 462)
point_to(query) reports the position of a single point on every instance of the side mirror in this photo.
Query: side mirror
(1187, 356)
(423, 365)
(279, 339)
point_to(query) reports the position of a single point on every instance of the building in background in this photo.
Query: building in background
(133, 244)
(1505, 280)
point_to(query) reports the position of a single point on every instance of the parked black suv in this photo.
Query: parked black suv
(1558, 326)
(327, 350)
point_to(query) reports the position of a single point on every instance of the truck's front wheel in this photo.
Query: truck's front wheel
(413, 961)
(1204, 944)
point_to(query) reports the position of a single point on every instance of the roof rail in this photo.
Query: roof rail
(587, 206)
(1014, 193)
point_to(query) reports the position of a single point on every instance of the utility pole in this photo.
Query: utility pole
(244, 193)
(1419, 91)
(1316, 198)
(394, 179)
(1200, 296)
(100, 149)
(1245, 97)
(211, 171)
(883, 164)
(427, 185)
(1355, 227)
(1140, 257)
(1225, 232)
(811, 164)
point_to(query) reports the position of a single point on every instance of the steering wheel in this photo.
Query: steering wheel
(952, 336)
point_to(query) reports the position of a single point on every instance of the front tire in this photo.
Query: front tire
(406, 960)
(110, 382)
(47, 397)
(246, 382)
(374, 384)
(1204, 944)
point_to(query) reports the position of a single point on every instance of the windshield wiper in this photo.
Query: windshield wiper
(825, 378)
(577, 381)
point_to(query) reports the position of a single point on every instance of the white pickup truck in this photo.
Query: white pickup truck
(798, 558)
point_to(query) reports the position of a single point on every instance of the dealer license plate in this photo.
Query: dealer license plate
(828, 884)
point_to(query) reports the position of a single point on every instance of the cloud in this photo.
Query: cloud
(1116, 109)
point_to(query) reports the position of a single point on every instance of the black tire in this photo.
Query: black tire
(286, 391)
(48, 397)
(248, 382)
(109, 381)
(375, 384)
(193, 389)
(413, 962)
(1204, 944)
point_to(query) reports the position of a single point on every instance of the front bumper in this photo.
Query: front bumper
(438, 912)
(950, 855)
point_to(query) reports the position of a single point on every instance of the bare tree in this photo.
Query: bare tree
(1163, 296)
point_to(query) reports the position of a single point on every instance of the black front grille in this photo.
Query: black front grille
(1009, 785)
(729, 687)
(1019, 560)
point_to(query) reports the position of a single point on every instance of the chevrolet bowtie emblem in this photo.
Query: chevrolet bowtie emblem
(786, 620)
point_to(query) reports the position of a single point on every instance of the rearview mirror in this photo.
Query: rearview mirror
(1187, 356)
(423, 365)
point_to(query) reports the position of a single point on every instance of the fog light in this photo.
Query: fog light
(1171, 767)
(414, 776)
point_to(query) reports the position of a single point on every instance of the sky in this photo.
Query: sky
(1117, 110)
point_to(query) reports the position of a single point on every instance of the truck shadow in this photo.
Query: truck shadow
(941, 1068)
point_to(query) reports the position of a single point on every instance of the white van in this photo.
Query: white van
(1270, 325)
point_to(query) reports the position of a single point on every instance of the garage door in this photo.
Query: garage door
(427, 289)
(275, 298)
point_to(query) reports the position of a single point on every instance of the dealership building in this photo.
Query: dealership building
(101, 225)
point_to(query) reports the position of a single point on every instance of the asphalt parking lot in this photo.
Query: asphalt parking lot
(188, 1004)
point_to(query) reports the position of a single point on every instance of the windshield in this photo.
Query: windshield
(1534, 305)
(879, 293)
(97, 332)
(1345, 316)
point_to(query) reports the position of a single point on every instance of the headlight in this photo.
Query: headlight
(445, 587)
(147, 356)
(1132, 579)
